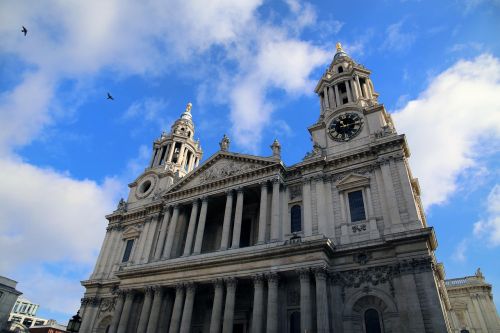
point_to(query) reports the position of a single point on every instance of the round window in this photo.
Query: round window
(145, 186)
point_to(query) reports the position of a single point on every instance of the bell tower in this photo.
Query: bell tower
(350, 115)
(177, 153)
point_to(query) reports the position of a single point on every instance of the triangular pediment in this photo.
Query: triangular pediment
(223, 165)
(353, 180)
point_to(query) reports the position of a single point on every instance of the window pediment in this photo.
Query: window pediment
(351, 181)
(131, 232)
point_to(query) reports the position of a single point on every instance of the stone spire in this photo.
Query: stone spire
(178, 152)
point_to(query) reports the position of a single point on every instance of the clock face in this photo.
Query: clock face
(345, 126)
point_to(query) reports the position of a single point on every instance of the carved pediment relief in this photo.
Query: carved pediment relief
(220, 166)
(131, 232)
(353, 180)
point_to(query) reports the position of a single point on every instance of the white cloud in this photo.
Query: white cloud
(459, 253)
(79, 40)
(48, 216)
(489, 227)
(452, 124)
(396, 39)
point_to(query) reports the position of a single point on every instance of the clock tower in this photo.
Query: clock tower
(350, 115)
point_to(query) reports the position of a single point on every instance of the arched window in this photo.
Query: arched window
(295, 322)
(341, 69)
(296, 219)
(372, 321)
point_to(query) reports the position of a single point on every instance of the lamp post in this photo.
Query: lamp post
(74, 323)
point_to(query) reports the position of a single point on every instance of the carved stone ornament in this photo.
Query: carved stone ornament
(122, 206)
(108, 304)
(295, 191)
(317, 151)
(223, 170)
(224, 143)
(358, 228)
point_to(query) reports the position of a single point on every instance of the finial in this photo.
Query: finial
(188, 107)
(339, 47)
(276, 148)
(224, 144)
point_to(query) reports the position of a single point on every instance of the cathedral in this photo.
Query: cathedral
(337, 242)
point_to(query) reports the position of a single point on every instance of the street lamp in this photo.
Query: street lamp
(74, 323)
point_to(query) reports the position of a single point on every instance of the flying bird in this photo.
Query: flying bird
(24, 30)
(110, 97)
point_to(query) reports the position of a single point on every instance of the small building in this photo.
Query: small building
(51, 328)
(471, 307)
(24, 312)
(8, 296)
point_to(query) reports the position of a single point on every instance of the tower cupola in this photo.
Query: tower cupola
(345, 83)
(177, 152)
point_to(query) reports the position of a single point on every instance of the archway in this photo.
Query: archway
(104, 324)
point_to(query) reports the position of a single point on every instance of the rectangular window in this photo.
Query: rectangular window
(128, 250)
(356, 206)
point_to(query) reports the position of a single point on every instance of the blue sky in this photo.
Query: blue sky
(249, 68)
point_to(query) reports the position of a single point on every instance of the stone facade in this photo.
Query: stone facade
(470, 305)
(335, 243)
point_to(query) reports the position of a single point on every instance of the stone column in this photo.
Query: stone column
(224, 244)
(215, 320)
(305, 301)
(395, 218)
(227, 326)
(358, 85)
(262, 213)
(127, 308)
(272, 303)
(201, 226)
(171, 233)
(191, 228)
(147, 251)
(331, 97)
(171, 151)
(103, 253)
(89, 316)
(140, 243)
(323, 218)
(238, 214)
(120, 300)
(177, 311)
(275, 207)
(327, 101)
(258, 304)
(187, 313)
(349, 94)
(146, 310)
(337, 95)
(354, 90)
(306, 197)
(163, 234)
(322, 319)
(154, 316)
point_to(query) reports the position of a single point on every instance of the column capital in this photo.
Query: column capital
(320, 272)
(229, 192)
(190, 286)
(239, 189)
(149, 290)
(263, 183)
(165, 207)
(204, 199)
(276, 180)
(272, 277)
(179, 286)
(304, 273)
(218, 283)
(258, 279)
(195, 202)
(231, 282)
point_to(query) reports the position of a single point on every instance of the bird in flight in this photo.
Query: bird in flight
(24, 30)
(110, 97)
